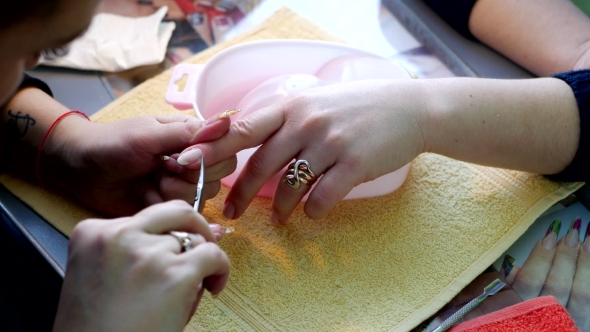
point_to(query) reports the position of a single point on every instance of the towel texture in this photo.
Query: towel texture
(541, 314)
(385, 263)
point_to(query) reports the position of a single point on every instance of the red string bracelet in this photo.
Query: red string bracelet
(38, 162)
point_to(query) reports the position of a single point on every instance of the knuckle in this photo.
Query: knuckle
(581, 295)
(243, 128)
(256, 167)
(213, 251)
(555, 289)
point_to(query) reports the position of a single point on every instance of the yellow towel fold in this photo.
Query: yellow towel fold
(384, 263)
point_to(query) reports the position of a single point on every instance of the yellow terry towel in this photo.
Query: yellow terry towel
(384, 263)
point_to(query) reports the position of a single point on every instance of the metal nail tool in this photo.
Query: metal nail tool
(198, 205)
(490, 290)
(199, 201)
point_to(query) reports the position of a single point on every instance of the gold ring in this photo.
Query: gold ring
(186, 243)
(304, 174)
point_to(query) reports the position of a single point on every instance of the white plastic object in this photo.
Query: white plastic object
(250, 74)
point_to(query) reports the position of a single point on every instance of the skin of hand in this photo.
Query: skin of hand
(355, 132)
(118, 171)
(129, 274)
(114, 167)
(543, 36)
(558, 268)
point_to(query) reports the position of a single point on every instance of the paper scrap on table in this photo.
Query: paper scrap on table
(115, 43)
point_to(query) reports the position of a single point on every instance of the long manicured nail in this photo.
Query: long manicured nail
(554, 227)
(229, 210)
(189, 157)
(222, 115)
(215, 228)
(586, 244)
(573, 234)
(507, 265)
(549, 241)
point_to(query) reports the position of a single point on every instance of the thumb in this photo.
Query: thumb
(213, 129)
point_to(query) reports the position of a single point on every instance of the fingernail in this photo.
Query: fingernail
(222, 115)
(507, 265)
(549, 241)
(215, 228)
(189, 157)
(554, 227)
(573, 234)
(274, 218)
(586, 245)
(227, 229)
(229, 210)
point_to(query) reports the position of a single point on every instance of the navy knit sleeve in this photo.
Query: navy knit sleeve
(455, 13)
(579, 169)
(29, 81)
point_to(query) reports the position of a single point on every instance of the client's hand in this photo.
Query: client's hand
(116, 167)
(130, 274)
(559, 268)
(349, 133)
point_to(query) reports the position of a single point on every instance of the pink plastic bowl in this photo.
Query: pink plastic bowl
(253, 75)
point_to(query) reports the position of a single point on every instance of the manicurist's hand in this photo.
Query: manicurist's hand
(130, 274)
(118, 167)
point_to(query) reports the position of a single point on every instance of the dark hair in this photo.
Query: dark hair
(14, 11)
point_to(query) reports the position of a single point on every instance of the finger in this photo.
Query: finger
(172, 243)
(213, 172)
(333, 186)
(148, 193)
(561, 276)
(287, 197)
(172, 136)
(579, 302)
(172, 118)
(173, 216)
(245, 133)
(210, 265)
(213, 129)
(531, 277)
(175, 188)
(264, 163)
(512, 275)
(507, 266)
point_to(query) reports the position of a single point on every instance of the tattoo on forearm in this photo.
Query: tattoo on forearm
(18, 125)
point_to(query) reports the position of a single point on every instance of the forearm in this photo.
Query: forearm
(26, 119)
(529, 125)
(544, 36)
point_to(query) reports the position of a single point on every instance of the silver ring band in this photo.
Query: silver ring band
(185, 241)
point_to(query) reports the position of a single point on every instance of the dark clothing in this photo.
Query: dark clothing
(29, 81)
(455, 13)
(578, 170)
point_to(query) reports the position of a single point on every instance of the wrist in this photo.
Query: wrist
(61, 151)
